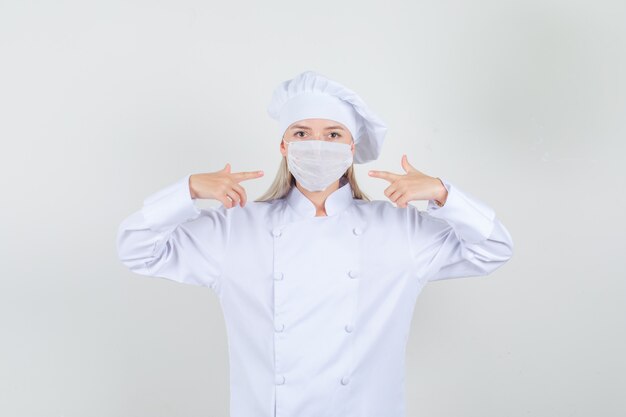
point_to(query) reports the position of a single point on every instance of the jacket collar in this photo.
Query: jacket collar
(335, 203)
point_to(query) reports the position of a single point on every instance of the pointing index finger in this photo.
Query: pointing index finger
(386, 175)
(242, 176)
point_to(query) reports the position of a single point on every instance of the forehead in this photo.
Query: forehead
(317, 123)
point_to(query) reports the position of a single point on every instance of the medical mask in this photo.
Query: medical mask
(318, 163)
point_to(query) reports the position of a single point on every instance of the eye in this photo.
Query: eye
(335, 133)
(299, 131)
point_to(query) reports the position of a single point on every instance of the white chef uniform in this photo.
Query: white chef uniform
(317, 309)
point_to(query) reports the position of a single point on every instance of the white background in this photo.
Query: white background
(520, 103)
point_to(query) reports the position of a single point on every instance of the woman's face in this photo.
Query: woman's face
(320, 129)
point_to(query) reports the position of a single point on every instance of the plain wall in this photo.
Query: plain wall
(521, 103)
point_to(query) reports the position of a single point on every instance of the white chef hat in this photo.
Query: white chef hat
(311, 95)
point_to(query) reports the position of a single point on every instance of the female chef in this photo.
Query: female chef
(317, 283)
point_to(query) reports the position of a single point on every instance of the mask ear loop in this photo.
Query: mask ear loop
(293, 178)
(287, 143)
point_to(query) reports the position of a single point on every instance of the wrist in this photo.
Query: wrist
(442, 194)
(192, 191)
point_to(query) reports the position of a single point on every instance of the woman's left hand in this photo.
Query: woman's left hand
(414, 185)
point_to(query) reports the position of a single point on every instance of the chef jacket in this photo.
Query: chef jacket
(317, 309)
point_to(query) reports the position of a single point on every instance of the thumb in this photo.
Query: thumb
(226, 168)
(407, 167)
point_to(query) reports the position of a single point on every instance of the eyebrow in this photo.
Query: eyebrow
(308, 128)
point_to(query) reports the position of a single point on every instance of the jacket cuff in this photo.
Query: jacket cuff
(170, 206)
(472, 219)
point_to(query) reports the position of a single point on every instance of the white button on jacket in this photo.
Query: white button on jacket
(317, 309)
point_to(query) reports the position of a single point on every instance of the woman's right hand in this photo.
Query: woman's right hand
(222, 185)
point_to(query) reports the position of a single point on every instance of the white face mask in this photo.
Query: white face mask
(318, 163)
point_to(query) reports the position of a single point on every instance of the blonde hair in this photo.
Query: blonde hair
(285, 180)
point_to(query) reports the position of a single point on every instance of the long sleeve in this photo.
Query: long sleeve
(169, 237)
(463, 238)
